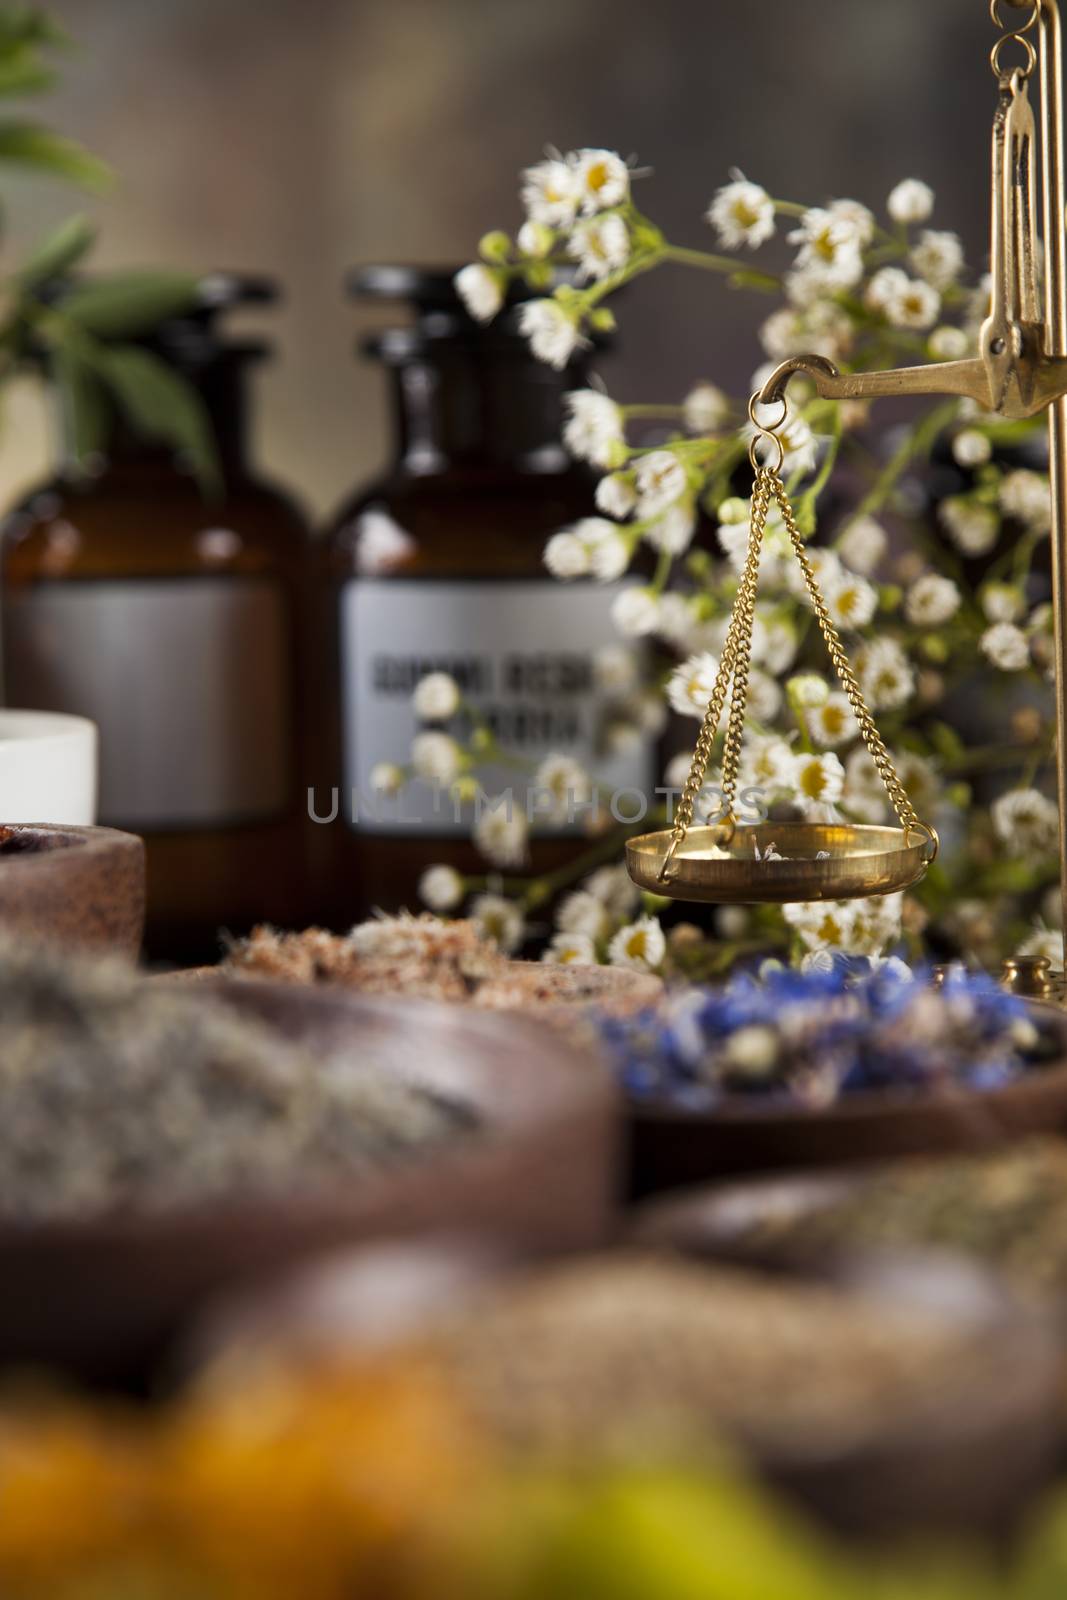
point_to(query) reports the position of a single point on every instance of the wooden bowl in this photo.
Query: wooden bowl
(102, 1297)
(968, 1458)
(670, 1148)
(82, 888)
(987, 1446)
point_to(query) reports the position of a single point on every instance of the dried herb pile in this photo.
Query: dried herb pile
(115, 1092)
(614, 1352)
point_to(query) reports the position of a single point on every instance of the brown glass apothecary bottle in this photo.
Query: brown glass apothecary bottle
(173, 622)
(439, 565)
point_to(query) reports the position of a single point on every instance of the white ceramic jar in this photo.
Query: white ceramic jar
(48, 768)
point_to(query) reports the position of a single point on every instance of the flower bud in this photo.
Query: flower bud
(495, 246)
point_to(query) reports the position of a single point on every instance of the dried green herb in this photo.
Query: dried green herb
(115, 1093)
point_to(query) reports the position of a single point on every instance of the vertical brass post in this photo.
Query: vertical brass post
(1056, 345)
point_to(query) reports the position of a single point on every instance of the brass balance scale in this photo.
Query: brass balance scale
(1021, 370)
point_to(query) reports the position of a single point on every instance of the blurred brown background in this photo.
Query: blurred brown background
(299, 136)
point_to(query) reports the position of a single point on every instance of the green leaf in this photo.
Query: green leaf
(125, 304)
(159, 403)
(27, 24)
(28, 144)
(82, 401)
(58, 252)
(22, 72)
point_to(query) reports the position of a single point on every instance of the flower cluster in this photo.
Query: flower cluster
(933, 594)
(814, 1037)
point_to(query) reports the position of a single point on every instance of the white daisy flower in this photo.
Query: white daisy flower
(635, 612)
(863, 545)
(615, 668)
(705, 409)
(851, 600)
(677, 620)
(564, 782)
(823, 924)
(833, 723)
(783, 334)
(764, 699)
(436, 697)
(742, 214)
(498, 920)
(884, 287)
(829, 248)
(594, 429)
(603, 179)
(583, 914)
(799, 445)
(673, 532)
(911, 201)
(566, 556)
(886, 675)
(774, 643)
(690, 686)
(552, 332)
(931, 600)
(876, 923)
(915, 305)
(938, 257)
(827, 567)
(1006, 646)
(864, 794)
(570, 949)
(818, 779)
(615, 495)
(551, 193)
(973, 528)
(614, 888)
(1024, 496)
(601, 246)
(640, 946)
(501, 833)
(858, 218)
(676, 773)
(481, 290)
(948, 344)
(767, 763)
(971, 449)
(386, 778)
(1027, 821)
(609, 552)
(1045, 942)
(919, 778)
(1002, 602)
(436, 758)
(660, 480)
(441, 888)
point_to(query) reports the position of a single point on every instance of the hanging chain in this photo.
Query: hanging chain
(738, 640)
(732, 676)
(871, 737)
(1013, 36)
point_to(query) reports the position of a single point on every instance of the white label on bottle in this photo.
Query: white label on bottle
(186, 680)
(524, 656)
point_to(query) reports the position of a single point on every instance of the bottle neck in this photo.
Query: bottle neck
(222, 386)
(476, 406)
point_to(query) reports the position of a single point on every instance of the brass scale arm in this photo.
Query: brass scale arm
(1014, 375)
